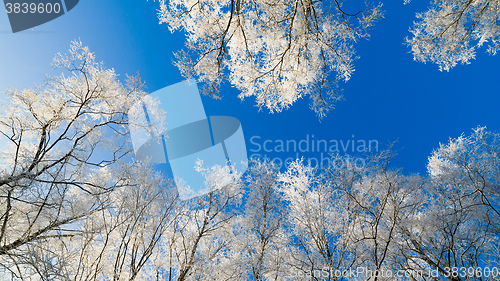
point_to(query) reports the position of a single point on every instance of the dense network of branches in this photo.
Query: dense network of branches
(74, 206)
(277, 51)
(451, 31)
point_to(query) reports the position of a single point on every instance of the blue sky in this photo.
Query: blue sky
(389, 98)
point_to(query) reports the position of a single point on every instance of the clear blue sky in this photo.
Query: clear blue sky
(389, 97)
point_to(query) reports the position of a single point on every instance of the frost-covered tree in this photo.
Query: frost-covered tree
(451, 31)
(473, 164)
(451, 232)
(344, 219)
(61, 160)
(382, 204)
(119, 242)
(319, 221)
(263, 234)
(380, 220)
(199, 244)
(278, 51)
(466, 176)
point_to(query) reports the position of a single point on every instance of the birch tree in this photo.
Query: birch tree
(473, 163)
(263, 236)
(382, 204)
(198, 245)
(319, 221)
(118, 243)
(63, 155)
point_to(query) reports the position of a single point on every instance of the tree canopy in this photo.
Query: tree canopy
(277, 51)
(281, 51)
(71, 212)
(451, 31)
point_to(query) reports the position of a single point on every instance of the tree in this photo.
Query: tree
(277, 51)
(455, 232)
(382, 204)
(198, 245)
(118, 242)
(64, 156)
(348, 221)
(451, 31)
(319, 221)
(472, 163)
(263, 231)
